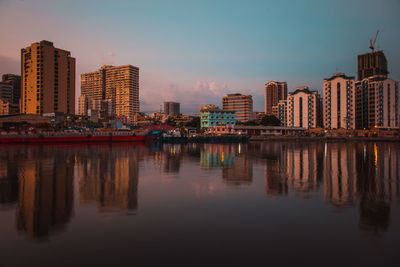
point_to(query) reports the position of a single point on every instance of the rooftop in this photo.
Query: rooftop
(339, 75)
(303, 89)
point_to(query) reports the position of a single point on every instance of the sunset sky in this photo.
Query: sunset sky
(195, 52)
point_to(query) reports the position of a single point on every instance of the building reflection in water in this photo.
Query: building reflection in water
(304, 167)
(39, 181)
(290, 165)
(168, 157)
(45, 203)
(340, 176)
(8, 179)
(237, 168)
(172, 158)
(378, 184)
(363, 174)
(109, 177)
(275, 180)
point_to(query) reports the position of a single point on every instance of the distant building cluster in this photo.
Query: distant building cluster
(372, 101)
(47, 87)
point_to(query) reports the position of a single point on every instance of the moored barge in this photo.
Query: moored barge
(74, 137)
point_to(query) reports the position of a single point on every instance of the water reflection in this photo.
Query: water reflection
(8, 179)
(233, 160)
(45, 193)
(363, 174)
(109, 177)
(42, 183)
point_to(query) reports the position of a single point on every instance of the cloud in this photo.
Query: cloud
(108, 58)
(191, 97)
(211, 88)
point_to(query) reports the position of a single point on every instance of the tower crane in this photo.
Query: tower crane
(372, 43)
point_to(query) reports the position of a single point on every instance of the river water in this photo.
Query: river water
(276, 203)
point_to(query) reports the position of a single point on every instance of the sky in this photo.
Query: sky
(195, 52)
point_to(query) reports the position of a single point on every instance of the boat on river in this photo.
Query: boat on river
(55, 137)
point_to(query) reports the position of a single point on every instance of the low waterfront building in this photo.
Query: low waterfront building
(23, 121)
(7, 108)
(267, 130)
(211, 116)
(159, 116)
(242, 105)
(304, 108)
(220, 130)
(339, 102)
(377, 103)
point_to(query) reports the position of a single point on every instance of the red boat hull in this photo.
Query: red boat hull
(67, 139)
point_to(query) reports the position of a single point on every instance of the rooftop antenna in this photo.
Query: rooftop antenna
(372, 43)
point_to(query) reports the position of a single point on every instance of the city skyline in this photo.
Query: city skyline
(195, 53)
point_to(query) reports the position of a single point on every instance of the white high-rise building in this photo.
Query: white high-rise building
(377, 102)
(339, 102)
(304, 108)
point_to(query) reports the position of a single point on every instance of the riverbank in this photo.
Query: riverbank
(324, 138)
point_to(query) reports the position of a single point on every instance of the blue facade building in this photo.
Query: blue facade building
(211, 116)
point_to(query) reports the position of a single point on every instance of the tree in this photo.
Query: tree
(195, 123)
(270, 120)
(170, 122)
(251, 123)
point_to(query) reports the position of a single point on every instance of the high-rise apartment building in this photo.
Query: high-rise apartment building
(280, 112)
(83, 105)
(172, 108)
(377, 100)
(15, 81)
(274, 92)
(7, 94)
(304, 108)
(48, 79)
(242, 105)
(116, 85)
(371, 64)
(339, 102)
